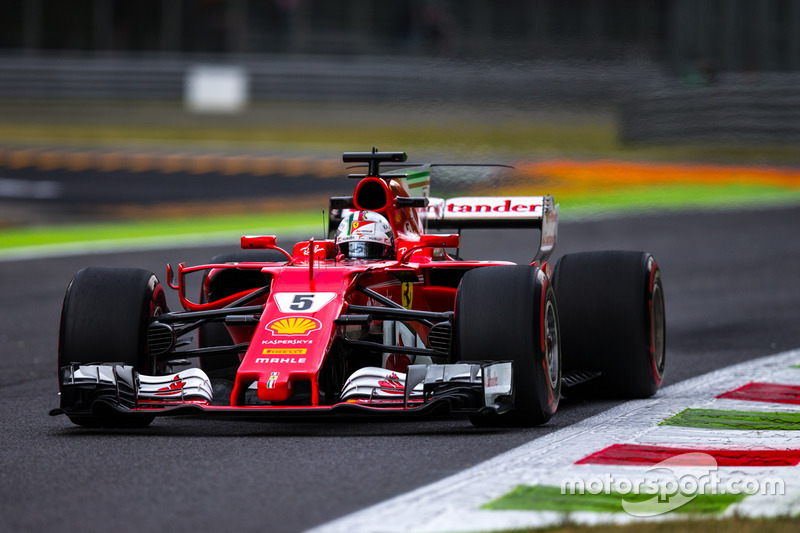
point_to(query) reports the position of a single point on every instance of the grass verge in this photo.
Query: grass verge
(644, 199)
(153, 233)
(423, 128)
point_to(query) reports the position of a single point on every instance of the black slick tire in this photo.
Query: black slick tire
(510, 313)
(104, 319)
(611, 307)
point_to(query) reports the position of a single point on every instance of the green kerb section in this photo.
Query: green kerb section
(746, 420)
(548, 498)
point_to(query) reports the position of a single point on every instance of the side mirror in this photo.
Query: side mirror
(259, 241)
(440, 241)
(263, 242)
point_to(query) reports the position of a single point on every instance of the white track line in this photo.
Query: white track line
(453, 504)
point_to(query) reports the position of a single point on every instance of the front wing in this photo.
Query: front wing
(105, 389)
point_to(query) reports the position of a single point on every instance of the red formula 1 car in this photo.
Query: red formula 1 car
(377, 319)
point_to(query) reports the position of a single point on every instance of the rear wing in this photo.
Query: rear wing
(403, 192)
(487, 212)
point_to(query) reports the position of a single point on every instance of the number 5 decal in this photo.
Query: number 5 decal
(303, 302)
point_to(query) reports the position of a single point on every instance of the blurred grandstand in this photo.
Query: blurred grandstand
(677, 69)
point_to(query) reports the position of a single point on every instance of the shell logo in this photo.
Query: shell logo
(294, 325)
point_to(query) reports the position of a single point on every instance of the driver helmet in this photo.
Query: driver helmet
(365, 235)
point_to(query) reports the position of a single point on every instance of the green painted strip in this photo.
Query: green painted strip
(17, 238)
(672, 198)
(721, 419)
(548, 498)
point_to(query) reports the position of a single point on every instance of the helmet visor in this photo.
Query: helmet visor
(364, 250)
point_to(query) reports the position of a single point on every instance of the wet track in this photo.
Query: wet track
(732, 289)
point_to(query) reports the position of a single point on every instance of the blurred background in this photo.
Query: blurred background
(115, 110)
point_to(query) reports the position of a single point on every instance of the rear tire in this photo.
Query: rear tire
(510, 313)
(104, 319)
(612, 321)
(224, 284)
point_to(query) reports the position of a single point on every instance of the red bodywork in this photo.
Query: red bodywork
(309, 331)
(290, 344)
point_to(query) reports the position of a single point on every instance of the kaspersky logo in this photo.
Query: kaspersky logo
(294, 325)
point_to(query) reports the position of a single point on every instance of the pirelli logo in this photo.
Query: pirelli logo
(284, 351)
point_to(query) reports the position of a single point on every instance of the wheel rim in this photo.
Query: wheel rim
(657, 329)
(551, 344)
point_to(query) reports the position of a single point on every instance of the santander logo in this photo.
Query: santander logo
(494, 207)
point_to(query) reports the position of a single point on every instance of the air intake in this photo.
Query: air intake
(440, 337)
(372, 194)
(160, 338)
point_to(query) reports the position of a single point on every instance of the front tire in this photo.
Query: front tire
(510, 313)
(104, 319)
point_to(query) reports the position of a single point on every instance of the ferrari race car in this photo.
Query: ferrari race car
(382, 317)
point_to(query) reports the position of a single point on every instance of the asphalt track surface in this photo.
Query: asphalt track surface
(91, 187)
(732, 290)
(29, 195)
